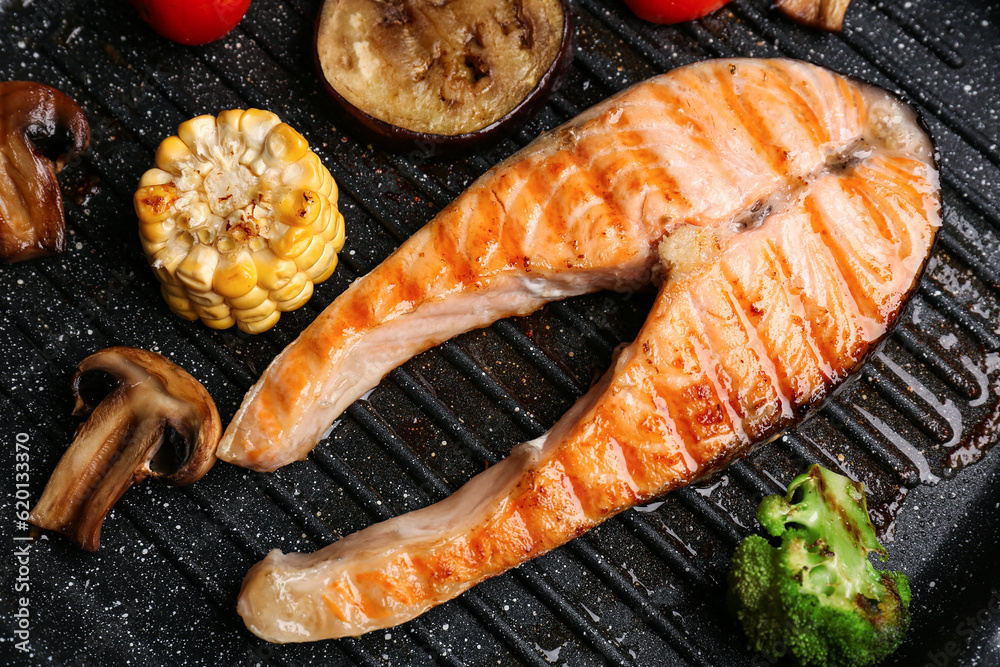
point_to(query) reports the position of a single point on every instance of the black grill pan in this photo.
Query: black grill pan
(646, 587)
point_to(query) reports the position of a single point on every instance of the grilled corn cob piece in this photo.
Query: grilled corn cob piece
(238, 219)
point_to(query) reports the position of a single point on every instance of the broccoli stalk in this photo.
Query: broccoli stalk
(817, 596)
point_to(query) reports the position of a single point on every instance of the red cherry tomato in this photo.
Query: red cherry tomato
(192, 21)
(673, 11)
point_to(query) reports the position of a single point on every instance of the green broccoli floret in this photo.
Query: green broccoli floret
(817, 597)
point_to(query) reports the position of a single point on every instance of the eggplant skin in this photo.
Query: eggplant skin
(396, 138)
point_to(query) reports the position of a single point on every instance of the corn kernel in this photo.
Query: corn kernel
(251, 299)
(227, 245)
(329, 188)
(284, 145)
(297, 301)
(223, 323)
(155, 176)
(198, 268)
(308, 172)
(205, 298)
(228, 123)
(195, 215)
(291, 241)
(167, 260)
(179, 305)
(157, 233)
(299, 208)
(311, 253)
(198, 133)
(205, 235)
(259, 326)
(329, 271)
(325, 217)
(173, 155)
(337, 237)
(217, 312)
(235, 275)
(150, 249)
(255, 125)
(272, 271)
(259, 312)
(258, 166)
(292, 289)
(155, 203)
(174, 290)
(320, 266)
(189, 315)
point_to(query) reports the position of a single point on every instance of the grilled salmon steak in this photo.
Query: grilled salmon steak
(786, 213)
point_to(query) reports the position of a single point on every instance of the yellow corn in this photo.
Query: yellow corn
(236, 275)
(259, 326)
(214, 313)
(223, 323)
(273, 272)
(300, 208)
(198, 268)
(292, 241)
(297, 301)
(292, 290)
(252, 299)
(206, 298)
(238, 219)
(311, 254)
(179, 304)
(321, 265)
(155, 176)
(284, 145)
(171, 154)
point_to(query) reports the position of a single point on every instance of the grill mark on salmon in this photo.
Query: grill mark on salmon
(855, 297)
(785, 91)
(746, 117)
(750, 359)
(780, 267)
(833, 322)
(779, 321)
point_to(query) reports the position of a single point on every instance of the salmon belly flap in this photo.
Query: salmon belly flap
(786, 213)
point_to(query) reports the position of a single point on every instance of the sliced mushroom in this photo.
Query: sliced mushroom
(820, 14)
(127, 438)
(31, 209)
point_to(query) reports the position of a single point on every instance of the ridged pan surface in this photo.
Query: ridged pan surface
(646, 587)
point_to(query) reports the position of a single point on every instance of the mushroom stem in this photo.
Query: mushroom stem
(82, 471)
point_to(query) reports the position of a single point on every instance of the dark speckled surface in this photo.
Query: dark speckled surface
(645, 587)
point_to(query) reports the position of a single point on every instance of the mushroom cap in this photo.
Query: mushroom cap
(32, 223)
(157, 388)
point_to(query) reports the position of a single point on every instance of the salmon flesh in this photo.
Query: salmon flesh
(786, 213)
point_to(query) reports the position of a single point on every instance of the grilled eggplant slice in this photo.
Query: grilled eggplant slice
(441, 75)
